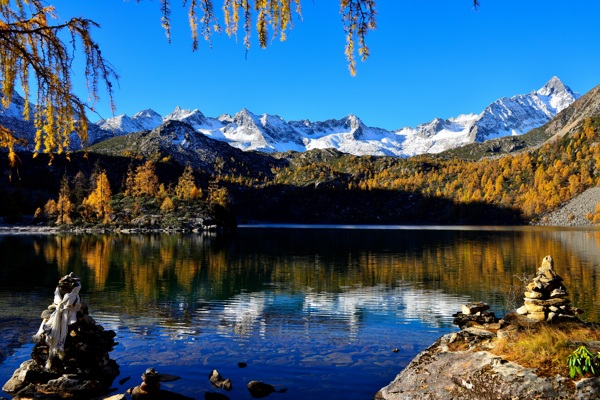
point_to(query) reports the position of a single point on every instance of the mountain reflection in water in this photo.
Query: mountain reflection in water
(317, 311)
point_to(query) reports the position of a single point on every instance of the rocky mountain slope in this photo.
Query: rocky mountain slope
(575, 211)
(185, 145)
(271, 133)
(566, 121)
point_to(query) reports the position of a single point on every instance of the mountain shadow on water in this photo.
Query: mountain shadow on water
(310, 205)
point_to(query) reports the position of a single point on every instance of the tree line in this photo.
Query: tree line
(527, 185)
(140, 194)
(532, 183)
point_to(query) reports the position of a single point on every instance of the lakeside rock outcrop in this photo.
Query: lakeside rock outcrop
(71, 356)
(443, 374)
(462, 365)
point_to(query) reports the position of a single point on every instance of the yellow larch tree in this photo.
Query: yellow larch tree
(50, 209)
(145, 181)
(129, 181)
(96, 207)
(32, 43)
(64, 206)
(167, 205)
(186, 188)
(162, 193)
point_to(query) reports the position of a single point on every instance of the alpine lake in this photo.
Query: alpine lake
(326, 312)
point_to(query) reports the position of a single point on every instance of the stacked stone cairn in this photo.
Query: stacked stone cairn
(546, 297)
(476, 315)
(70, 358)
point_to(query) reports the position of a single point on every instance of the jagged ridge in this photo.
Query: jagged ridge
(271, 133)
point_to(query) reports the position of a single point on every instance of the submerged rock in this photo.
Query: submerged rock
(260, 389)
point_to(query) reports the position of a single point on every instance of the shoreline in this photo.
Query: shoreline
(572, 214)
(17, 229)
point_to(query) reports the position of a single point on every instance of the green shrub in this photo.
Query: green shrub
(582, 361)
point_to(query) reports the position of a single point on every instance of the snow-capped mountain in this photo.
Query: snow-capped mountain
(504, 117)
(247, 131)
(271, 133)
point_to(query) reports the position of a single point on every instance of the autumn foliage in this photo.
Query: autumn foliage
(517, 187)
(142, 194)
(96, 207)
(186, 188)
(35, 55)
(532, 182)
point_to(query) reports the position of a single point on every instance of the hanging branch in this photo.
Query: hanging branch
(30, 44)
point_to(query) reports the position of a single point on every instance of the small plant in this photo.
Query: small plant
(582, 361)
(514, 293)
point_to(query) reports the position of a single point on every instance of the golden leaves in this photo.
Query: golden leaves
(8, 141)
(186, 188)
(97, 205)
(358, 17)
(29, 43)
(145, 181)
(165, 9)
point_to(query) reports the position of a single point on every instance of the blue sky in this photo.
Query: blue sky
(434, 58)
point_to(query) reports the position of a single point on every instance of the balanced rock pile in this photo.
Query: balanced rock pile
(476, 315)
(546, 297)
(70, 358)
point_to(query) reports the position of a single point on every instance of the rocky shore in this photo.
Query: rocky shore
(188, 226)
(441, 373)
(470, 364)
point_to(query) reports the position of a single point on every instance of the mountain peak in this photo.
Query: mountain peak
(146, 113)
(244, 111)
(553, 86)
(184, 113)
(353, 121)
(245, 117)
(557, 95)
(147, 119)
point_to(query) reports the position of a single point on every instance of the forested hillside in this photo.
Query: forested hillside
(320, 186)
(529, 183)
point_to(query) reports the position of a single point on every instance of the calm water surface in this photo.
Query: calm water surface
(317, 311)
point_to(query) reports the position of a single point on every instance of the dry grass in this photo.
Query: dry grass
(545, 348)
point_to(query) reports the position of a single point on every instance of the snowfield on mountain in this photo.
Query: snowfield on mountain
(270, 133)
